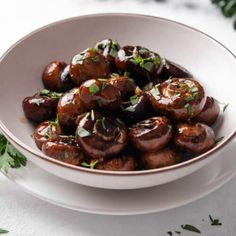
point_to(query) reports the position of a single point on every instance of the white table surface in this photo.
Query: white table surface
(22, 214)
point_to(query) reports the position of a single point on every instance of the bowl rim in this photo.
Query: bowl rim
(17, 142)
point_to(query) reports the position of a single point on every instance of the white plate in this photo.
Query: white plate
(66, 194)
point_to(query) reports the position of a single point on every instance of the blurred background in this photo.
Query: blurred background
(202, 14)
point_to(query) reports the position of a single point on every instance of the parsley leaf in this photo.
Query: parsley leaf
(134, 99)
(215, 222)
(3, 231)
(155, 92)
(90, 165)
(218, 140)
(188, 107)
(93, 89)
(190, 228)
(225, 106)
(82, 132)
(50, 94)
(10, 157)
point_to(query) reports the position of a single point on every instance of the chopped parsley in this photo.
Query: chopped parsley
(134, 99)
(131, 108)
(193, 94)
(114, 49)
(155, 92)
(189, 109)
(215, 222)
(93, 89)
(218, 140)
(50, 94)
(90, 165)
(190, 228)
(148, 66)
(225, 107)
(82, 132)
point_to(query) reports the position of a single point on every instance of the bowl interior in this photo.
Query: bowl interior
(21, 67)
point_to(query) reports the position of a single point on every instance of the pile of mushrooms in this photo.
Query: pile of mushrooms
(121, 108)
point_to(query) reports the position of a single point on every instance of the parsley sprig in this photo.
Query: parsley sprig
(228, 8)
(10, 157)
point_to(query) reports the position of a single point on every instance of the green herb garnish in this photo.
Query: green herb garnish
(148, 66)
(189, 109)
(3, 231)
(155, 92)
(170, 233)
(93, 89)
(134, 99)
(90, 165)
(215, 222)
(225, 107)
(127, 74)
(10, 157)
(131, 108)
(190, 228)
(218, 140)
(114, 49)
(177, 232)
(82, 132)
(96, 59)
(50, 94)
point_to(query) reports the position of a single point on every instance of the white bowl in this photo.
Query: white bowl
(22, 65)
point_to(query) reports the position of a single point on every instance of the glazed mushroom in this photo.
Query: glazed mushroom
(136, 109)
(48, 130)
(56, 77)
(197, 138)
(89, 64)
(108, 48)
(143, 64)
(69, 107)
(100, 137)
(171, 69)
(181, 98)
(120, 163)
(41, 106)
(124, 84)
(100, 94)
(152, 134)
(210, 112)
(64, 149)
(162, 158)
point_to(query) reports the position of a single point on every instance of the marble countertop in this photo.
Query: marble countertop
(24, 215)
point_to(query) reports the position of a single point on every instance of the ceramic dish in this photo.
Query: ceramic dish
(130, 202)
(22, 65)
